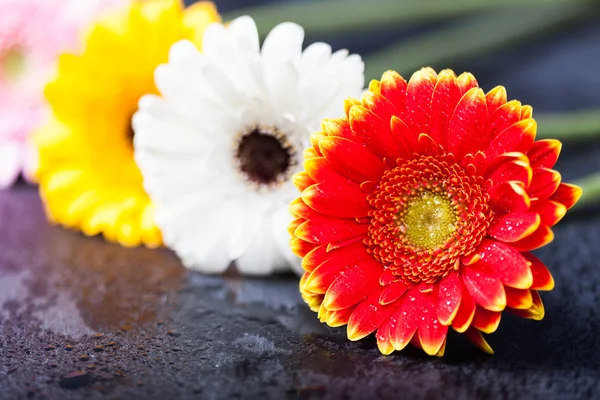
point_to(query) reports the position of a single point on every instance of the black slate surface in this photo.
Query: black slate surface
(82, 318)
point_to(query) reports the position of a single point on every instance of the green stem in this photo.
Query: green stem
(478, 35)
(570, 126)
(319, 17)
(591, 190)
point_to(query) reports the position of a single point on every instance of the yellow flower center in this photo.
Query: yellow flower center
(429, 220)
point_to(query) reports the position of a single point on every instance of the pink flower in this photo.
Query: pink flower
(32, 34)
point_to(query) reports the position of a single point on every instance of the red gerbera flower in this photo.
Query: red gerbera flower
(418, 212)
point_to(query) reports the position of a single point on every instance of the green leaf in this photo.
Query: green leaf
(326, 17)
(569, 126)
(477, 35)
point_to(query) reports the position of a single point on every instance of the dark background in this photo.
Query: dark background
(82, 318)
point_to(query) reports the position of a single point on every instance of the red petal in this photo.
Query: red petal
(442, 349)
(449, 296)
(505, 116)
(486, 321)
(526, 112)
(329, 269)
(428, 146)
(302, 181)
(406, 319)
(514, 226)
(544, 184)
(367, 317)
(513, 171)
(353, 286)
(392, 292)
(313, 259)
(465, 313)
(339, 317)
(351, 159)
(343, 243)
(550, 211)
(313, 301)
(509, 197)
(379, 105)
(326, 230)
(319, 169)
(495, 98)
(541, 237)
(301, 247)
(295, 224)
(299, 208)
(518, 298)
(510, 266)
(393, 87)
(477, 161)
(467, 133)
(498, 161)
(418, 100)
(384, 339)
(485, 288)
(566, 194)
(311, 152)
(387, 277)
(432, 333)
(349, 103)
(517, 138)
(542, 278)
(544, 153)
(466, 81)
(314, 139)
(373, 133)
(336, 127)
(407, 140)
(477, 339)
(342, 199)
(375, 86)
(535, 312)
(445, 98)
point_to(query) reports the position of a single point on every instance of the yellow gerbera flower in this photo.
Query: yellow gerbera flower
(88, 177)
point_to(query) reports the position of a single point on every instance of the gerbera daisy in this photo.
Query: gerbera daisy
(88, 177)
(419, 210)
(32, 33)
(218, 149)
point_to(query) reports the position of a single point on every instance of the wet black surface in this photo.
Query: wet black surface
(82, 318)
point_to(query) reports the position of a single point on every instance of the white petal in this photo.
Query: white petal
(259, 257)
(202, 241)
(158, 126)
(283, 43)
(284, 86)
(246, 228)
(243, 31)
(182, 52)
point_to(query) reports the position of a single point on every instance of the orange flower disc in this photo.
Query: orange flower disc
(418, 212)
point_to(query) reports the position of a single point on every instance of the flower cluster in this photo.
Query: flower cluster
(420, 203)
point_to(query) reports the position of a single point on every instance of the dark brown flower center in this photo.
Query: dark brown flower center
(264, 158)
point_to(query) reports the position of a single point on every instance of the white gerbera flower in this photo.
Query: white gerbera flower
(218, 149)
